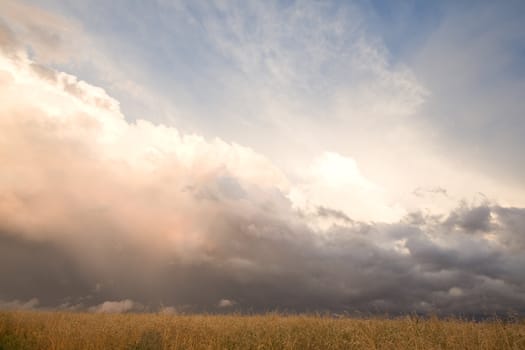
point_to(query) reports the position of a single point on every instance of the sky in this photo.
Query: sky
(353, 157)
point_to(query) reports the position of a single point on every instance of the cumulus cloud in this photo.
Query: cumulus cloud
(18, 304)
(226, 303)
(115, 306)
(112, 216)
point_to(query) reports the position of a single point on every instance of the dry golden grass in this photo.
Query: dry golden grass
(51, 330)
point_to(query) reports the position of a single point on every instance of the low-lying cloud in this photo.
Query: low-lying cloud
(100, 214)
(116, 307)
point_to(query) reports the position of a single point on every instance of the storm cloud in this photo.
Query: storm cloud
(103, 213)
(100, 214)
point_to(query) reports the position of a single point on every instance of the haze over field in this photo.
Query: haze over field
(186, 156)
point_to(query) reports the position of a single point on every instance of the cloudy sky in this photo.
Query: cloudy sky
(187, 156)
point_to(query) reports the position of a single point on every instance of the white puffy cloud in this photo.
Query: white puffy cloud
(115, 306)
(226, 303)
(70, 152)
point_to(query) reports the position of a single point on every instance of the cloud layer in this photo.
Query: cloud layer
(102, 214)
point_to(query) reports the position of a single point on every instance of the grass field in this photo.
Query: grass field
(51, 330)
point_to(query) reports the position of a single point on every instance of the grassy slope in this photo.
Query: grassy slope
(47, 330)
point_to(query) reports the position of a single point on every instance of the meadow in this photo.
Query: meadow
(60, 330)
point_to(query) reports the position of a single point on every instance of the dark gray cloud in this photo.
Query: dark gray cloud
(513, 232)
(471, 219)
(421, 192)
(274, 261)
(332, 213)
